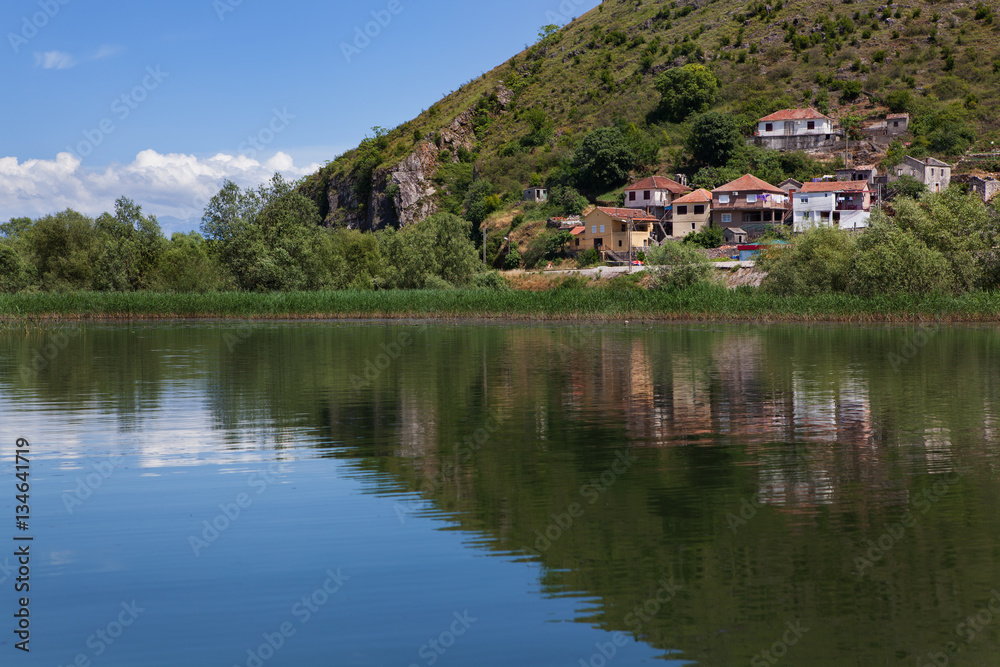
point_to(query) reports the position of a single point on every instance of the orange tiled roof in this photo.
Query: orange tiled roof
(658, 183)
(794, 114)
(579, 229)
(699, 196)
(836, 186)
(748, 183)
(625, 213)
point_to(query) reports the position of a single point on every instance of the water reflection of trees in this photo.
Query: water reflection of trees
(813, 425)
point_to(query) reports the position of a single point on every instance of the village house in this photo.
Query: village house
(897, 124)
(654, 195)
(843, 204)
(692, 213)
(863, 172)
(795, 130)
(750, 203)
(537, 195)
(790, 186)
(612, 229)
(935, 174)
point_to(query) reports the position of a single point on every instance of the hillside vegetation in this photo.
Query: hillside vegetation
(524, 122)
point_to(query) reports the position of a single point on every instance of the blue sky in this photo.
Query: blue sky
(161, 101)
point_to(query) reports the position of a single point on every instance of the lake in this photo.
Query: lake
(418, 494)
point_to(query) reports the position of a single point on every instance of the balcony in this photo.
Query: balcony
(742, 204)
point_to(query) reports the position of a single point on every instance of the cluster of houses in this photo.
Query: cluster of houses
(659, 208)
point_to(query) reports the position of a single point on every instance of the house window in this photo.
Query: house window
(751, 199)
(602, 229)
(769, 127)
(895, 123)
(692, 226)
(631, 196)
(811, 125)
(727, 217)
(699, 209)
(645, 195)
(619, 244)
(593, 230)
(723, 199)
(932, 171)
(682, 210)
(804, 200)
(578, 242)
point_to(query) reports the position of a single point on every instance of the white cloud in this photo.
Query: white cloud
(55, 60)
(173, 185)
(107, 51)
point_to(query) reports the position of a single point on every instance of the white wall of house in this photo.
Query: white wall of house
(814, 209)
(799, 128)
(656, 198)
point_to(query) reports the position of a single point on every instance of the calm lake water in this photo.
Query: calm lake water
(406, 494)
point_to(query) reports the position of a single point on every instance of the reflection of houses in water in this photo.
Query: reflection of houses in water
(418, 433)
(831, 412)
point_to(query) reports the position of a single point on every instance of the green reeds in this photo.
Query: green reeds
(695, 303)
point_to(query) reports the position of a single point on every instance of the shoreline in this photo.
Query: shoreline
(595, 305)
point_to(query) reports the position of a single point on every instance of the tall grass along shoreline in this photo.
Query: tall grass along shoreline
(699, 302)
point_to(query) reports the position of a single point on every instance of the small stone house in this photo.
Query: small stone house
(897, 124)
(935, 174)
(537, 195)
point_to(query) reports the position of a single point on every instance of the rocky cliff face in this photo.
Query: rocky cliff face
(404, 193)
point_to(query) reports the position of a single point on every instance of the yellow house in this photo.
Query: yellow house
(692, 213)
(611, 228)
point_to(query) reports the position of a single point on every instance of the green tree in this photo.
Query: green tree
(131, 246)
(907, 186)
(816, 262)
(15, 273)
(480, 201)
(603, 159)
(268, 238)
(439, 247)
(63, 249)
(715, 138)
(686, 90)
(891, 260)
(710, 237)
(187, 267)
(676, 266)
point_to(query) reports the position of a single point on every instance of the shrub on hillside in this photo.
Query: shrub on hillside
(676, 266)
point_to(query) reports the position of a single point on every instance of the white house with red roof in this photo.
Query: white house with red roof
(843, 204)
(654, 195)
(748, 202)
(795, 129)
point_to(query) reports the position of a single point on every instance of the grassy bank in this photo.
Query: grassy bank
(697, 303)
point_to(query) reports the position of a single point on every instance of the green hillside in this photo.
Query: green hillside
(521, 123)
